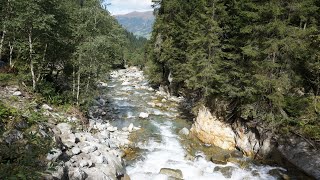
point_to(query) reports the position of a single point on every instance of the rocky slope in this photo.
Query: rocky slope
(79, 150)
(256, 142)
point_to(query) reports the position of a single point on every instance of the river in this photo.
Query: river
(158, 144)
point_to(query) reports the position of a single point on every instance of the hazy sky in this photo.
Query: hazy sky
(126, 6)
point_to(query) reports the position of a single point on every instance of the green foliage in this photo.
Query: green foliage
(250, 54)
(23, 159)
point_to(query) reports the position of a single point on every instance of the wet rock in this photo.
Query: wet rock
(219, 160)
(225, 171)
(189, 157)
(176, 173)
(255, 173)
(199, 155)
(143, 115)
(236, 154)
(279, 174)
(184, 131)
(209, 129)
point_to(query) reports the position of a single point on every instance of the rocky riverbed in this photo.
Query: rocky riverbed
(163, 148)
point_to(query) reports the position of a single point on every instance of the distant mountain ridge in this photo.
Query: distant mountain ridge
(139, 23)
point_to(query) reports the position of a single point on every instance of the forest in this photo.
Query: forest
(254, 60)
(61, 48)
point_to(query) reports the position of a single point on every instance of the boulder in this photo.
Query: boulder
(226, 171)
(219, 160)
(64, 128)
(77, 174)
(302, 154)
(176, 173)
(75, 150)
(143, 115)
(209, 129)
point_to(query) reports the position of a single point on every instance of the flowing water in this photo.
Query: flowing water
(158, 144)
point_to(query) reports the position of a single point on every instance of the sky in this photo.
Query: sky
(126, 6)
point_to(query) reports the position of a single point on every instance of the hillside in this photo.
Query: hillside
(139, 23)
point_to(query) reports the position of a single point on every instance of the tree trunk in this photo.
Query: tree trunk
(73, 81)
(42, 68)
(31, 61)
(10, 57)
(2, 40)
(78, 88)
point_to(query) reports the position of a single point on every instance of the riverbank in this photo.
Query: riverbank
(57, 142)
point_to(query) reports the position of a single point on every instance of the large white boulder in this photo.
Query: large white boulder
(210, 130)
(143, 115)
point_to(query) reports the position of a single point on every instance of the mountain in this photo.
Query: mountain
(139, 23)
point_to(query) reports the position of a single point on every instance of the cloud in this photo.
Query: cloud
(126, 6)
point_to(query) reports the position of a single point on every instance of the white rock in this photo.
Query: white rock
(130, 128)
(83, 163)
(102, 84)
(152, 104)
(64, 128)
(163, 100)
(124, 129)
(112, 129)
(54, 154)
(126, 83)
(143, 115)
(98, 159)
(136, 128)
(89, 149)
(46, 107)
(17, 93)
(77, 174)
(184, 131)
(76, 150)
(105, 134)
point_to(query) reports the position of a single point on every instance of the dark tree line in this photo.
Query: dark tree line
(261, 57)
